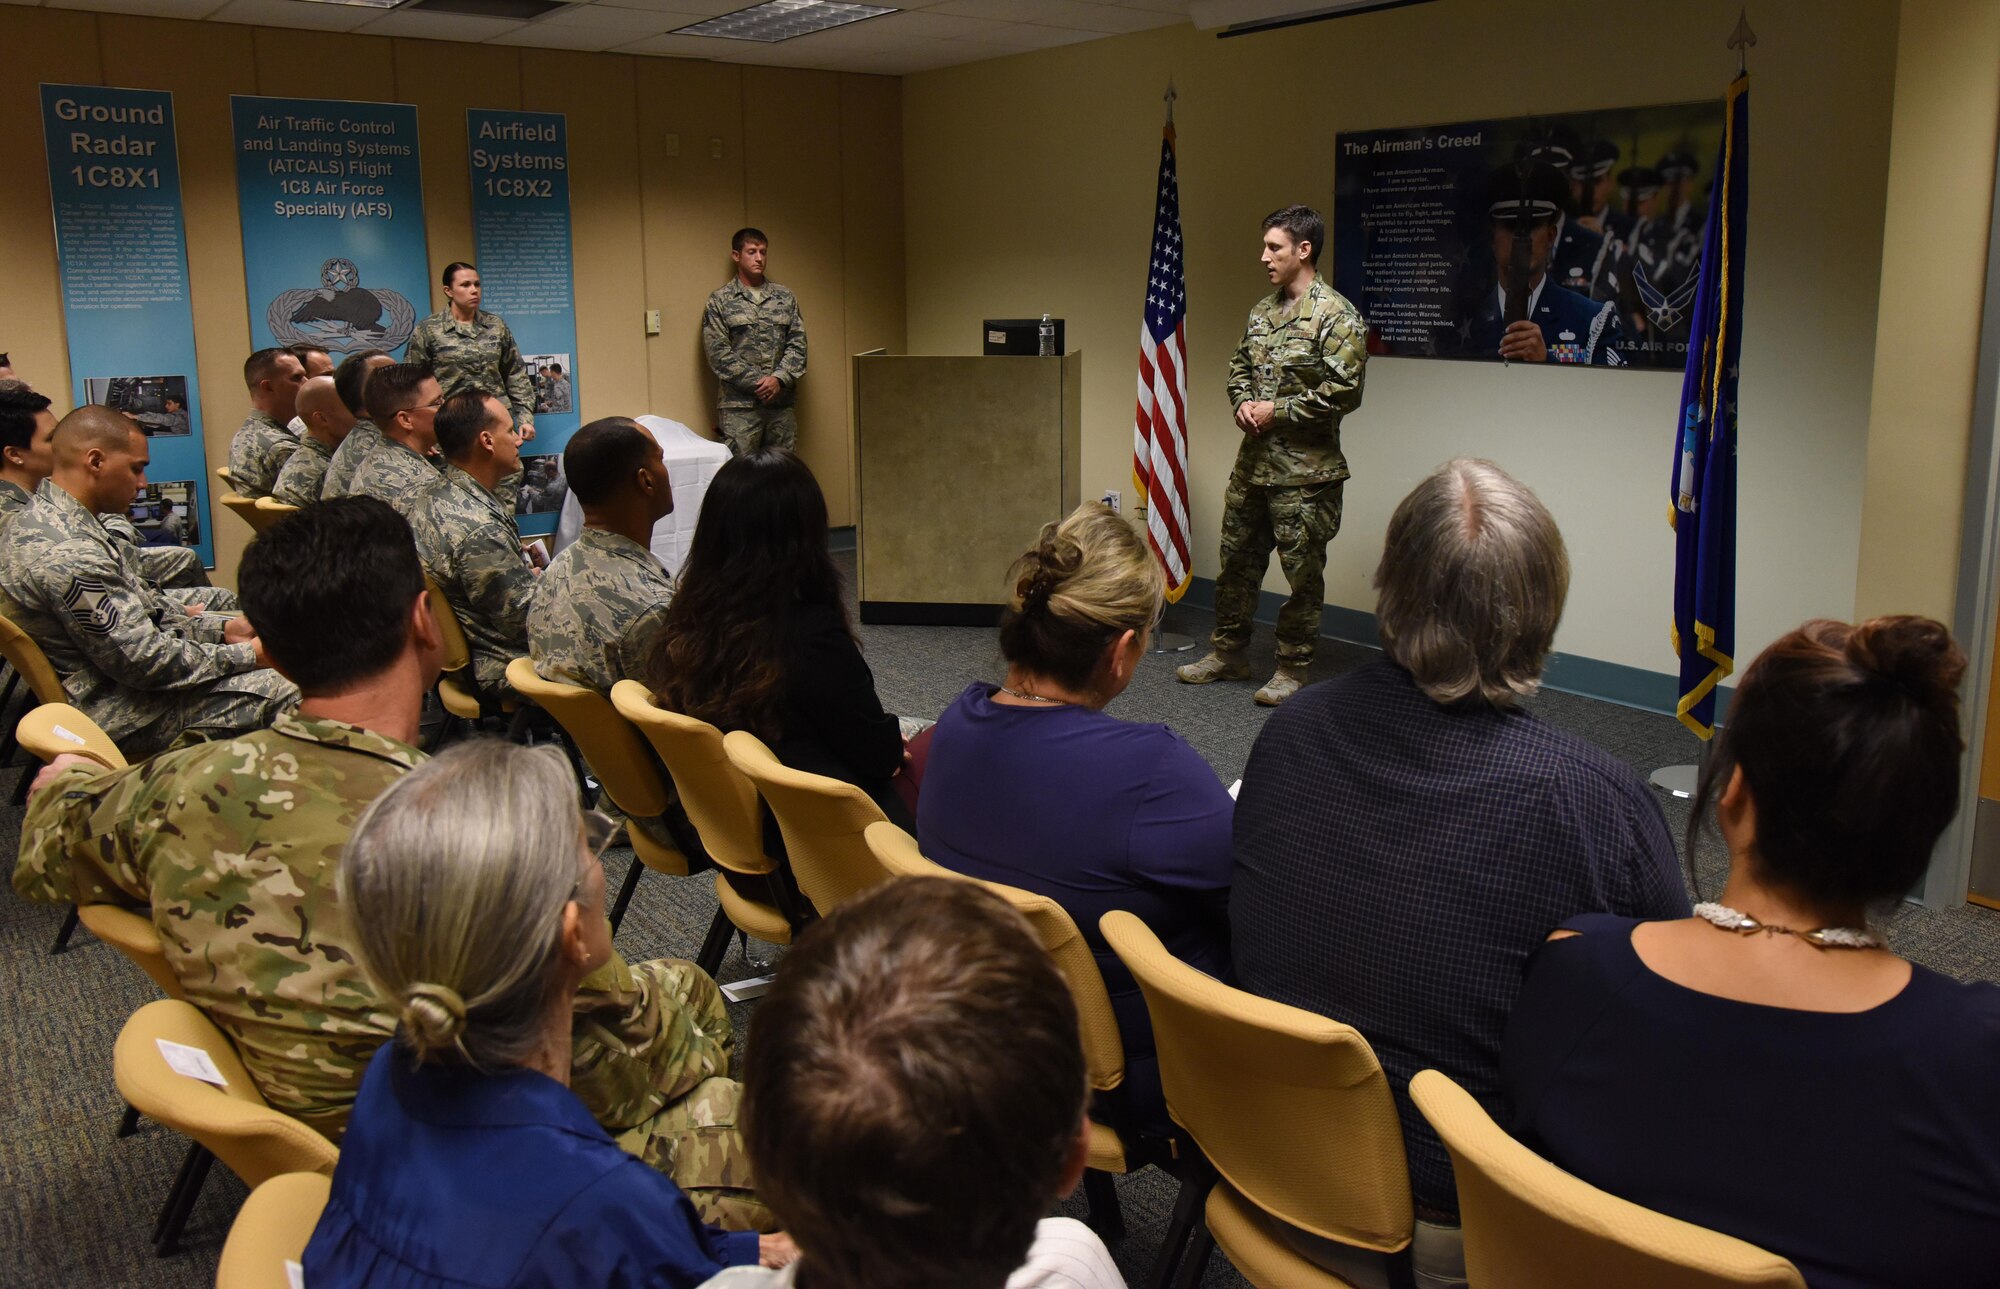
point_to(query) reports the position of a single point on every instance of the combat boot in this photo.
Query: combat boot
(1217, 666)
(1281, 686)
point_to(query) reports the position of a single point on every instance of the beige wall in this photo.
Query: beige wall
(1029, 187)
(814, 158)
(1927, 332)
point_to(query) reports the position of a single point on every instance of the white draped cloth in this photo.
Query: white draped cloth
(691, 463)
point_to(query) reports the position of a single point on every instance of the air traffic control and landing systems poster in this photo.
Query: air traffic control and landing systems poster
(521, 240)
(1432, 223)
(115, 182)
(333, 222)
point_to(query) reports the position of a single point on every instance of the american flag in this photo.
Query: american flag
(1159, 437)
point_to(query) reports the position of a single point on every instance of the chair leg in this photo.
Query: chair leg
(7, 739)
(68, 929)
(625, 893)
(576, 764)
(1106, 1217)
(128, 1123)
(517, 726)
(180, 1200)
(1196, 1180)
(28, 772)
(715, 944)
(1195, 1265)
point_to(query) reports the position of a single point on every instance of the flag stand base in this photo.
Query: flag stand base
(1676, 780)
(1168, 640)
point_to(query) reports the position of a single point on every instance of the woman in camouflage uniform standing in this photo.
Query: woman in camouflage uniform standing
(469, 348)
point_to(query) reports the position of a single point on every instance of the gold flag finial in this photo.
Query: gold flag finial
(1742, 38)
(1170, 96)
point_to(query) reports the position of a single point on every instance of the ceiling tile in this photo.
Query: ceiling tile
(917, 58)
(440, 26)
(1051, 13)
(633, 23)
(150, 8)
(689, 10)
(1178, 8)
(296, 13)
(1027, 35)
(680, 46)
(542, 36)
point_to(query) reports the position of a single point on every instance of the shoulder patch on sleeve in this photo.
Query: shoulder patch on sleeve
(89, 602)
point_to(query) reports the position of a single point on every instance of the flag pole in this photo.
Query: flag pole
(1681, 781)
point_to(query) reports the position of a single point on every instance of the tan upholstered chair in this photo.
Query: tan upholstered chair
(722, 806)
(1529, 1223)
(618, 756)
(29, 663)
(272, 1228)
(47, 732)
(231, 1123)
(244, 508)
(1291, 1109)
(455, 687)
(821, 820)
(270, 510)
(895, 853)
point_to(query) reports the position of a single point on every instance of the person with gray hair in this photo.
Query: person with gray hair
(1407, 834)
(477, 901)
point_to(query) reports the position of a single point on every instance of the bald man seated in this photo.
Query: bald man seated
(138, 662)
(328, 423)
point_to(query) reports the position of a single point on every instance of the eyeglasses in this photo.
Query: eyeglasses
(599, 831)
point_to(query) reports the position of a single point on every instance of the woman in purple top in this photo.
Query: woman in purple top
(1768, 1068)
(1030, 784)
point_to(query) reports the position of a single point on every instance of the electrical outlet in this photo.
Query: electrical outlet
(1112, 499)
(652, 322)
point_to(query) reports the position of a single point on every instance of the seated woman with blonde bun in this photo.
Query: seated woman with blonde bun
(1768, 1068)
(1030, 783)
(477, 899)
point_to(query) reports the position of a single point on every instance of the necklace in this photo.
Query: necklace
(1827, 937)
(1034, 698)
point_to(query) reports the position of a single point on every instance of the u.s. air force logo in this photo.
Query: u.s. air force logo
(89, 602)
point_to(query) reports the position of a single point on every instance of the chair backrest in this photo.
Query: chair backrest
(1103, 1049)
(272, 1228)
(616, 753)
(457, 653)
(270, 510)
(822, 821)
(56, 729)
(1292, 1108)
(720, 802)
(27, 657)
(134, 935)
(1527, 1222)
(233, 1121)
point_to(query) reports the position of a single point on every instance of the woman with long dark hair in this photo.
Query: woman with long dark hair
(1769, 1068)
(758, 639)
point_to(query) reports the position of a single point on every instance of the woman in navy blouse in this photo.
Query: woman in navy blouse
(1030, 783)
(477, 899)
(1768, 1068)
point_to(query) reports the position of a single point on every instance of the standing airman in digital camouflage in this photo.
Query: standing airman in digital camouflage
(233, 847)
(468, 539)
(1297, 372)
(470, 348)
(130, 656)
(756, 345)
(263, 443)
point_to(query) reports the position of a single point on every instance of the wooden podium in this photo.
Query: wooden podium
(960, 461)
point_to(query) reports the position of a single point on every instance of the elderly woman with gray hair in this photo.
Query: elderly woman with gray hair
(1406, 834)
(477, 899)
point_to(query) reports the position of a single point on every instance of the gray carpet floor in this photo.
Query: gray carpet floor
(76, 1203)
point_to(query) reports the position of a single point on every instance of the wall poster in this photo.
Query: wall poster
(121, 244)
(1573, 238)
(332, 204)
(521, 242)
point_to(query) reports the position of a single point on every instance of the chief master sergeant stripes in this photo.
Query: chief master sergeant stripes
(1297, 372)
(756, 346)
(131, 658)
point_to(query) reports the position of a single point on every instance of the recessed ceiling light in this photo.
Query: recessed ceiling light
(782, 20)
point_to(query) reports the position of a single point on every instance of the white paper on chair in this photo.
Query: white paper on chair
(71, 735)
(191, 1062)
(1235, 788)
(295, 1274)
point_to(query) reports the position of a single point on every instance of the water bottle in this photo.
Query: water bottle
(1046, 333)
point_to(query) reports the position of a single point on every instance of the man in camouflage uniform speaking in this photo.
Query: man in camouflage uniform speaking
(143, 663)
(234, 846)
(756, 345)
(1296, 374)
(468, 539)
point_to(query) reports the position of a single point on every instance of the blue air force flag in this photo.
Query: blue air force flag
(1704, 488)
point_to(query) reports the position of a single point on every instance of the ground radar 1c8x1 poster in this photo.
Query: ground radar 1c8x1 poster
(1568, 239)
